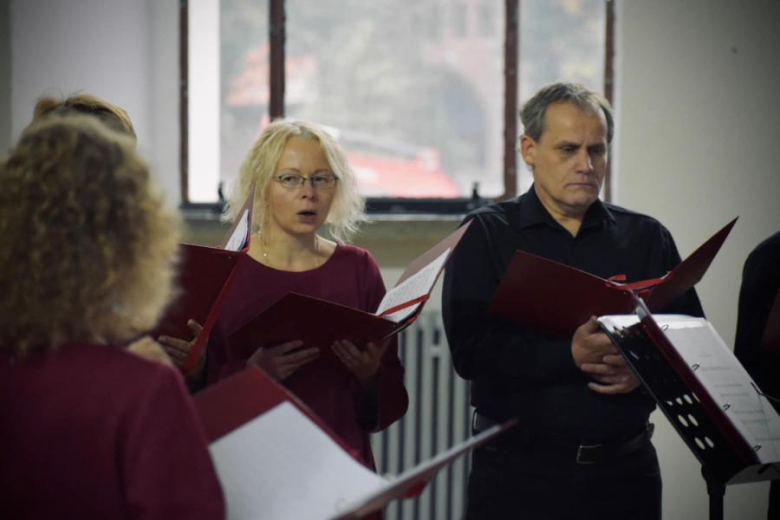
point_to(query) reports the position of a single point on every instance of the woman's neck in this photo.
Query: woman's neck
(287, 252)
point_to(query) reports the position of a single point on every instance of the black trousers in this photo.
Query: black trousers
(773, 512)
(542, 482)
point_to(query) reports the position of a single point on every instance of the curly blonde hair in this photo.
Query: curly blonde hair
(259, 166)
(114, 116)
(88, 248)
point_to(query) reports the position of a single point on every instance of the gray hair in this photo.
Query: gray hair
(534, 110)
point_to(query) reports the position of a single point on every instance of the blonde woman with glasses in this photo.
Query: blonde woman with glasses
(303, 182)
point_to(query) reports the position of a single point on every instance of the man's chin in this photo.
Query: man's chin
(581, 203)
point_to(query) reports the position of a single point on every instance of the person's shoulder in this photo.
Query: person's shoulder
(769, 246)
(116, 363)
(766, 253)
(349, 253)
(634, 219)
(497, 211)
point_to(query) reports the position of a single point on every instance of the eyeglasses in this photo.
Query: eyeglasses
(318, 182)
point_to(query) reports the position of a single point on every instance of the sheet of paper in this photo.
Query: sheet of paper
(237, 240)
(730, 385)
(281, 465)
(622, 321)
(417, 285)
(426, 470)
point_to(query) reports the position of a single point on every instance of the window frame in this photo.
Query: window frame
(392, 205)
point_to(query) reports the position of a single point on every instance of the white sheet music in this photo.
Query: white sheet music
(282, 465)
(724, 377)
(417, 285)
(237, 240)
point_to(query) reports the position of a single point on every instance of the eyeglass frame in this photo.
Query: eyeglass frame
(301, 181)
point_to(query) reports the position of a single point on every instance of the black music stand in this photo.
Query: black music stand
(693, 408)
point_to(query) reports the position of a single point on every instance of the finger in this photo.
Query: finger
(176, 358)
(615, 360)
(340, 352)
(195, 327)
(285, 347)
(287, 369)
(300, 355)
(176, 343)
(350, 348)
(598, 369)
(610, 389)
(182, 349)
(298, 364)
(610, 380)
(593, 323)
(376, 351)
(346, 359)
(602, 341)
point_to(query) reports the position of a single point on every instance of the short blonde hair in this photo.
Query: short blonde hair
(259, 166)
(110, 114)
(88, 247)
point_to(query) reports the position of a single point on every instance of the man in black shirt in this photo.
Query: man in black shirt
(582, 448)
(760, 283)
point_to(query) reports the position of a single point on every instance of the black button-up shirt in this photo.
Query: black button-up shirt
(519, 372)
(760, 283)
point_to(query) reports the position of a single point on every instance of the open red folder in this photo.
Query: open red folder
(205, 274)
(556, 299)
(327, 321)
(275, 459)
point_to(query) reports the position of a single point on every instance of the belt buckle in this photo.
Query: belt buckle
(582, 451)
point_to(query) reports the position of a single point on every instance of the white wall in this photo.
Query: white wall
(5, 77)
(123, 50)
(698, 128)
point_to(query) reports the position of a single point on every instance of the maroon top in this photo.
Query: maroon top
(92, 431)
(349, 277)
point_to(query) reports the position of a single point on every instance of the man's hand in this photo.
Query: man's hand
(598, 358)
(281, 361)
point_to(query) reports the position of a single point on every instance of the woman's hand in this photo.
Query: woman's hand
(147, 348)
(363, 364)
(281, 361)
(179, 349)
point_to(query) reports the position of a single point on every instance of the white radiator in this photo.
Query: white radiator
(439, 416)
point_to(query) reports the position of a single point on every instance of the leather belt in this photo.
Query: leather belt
(584, 452)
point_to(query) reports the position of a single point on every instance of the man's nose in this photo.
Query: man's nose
(584, 161)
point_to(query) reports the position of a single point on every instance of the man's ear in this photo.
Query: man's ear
(528, 150)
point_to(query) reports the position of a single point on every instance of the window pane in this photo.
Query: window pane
(412, 88)
(244, 79)
(560, 40)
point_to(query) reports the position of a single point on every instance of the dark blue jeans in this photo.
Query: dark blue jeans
(542, 482)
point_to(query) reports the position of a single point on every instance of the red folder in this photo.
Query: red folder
(249, 394)
(556, 299)
(205, 275)
(234, 401)
(318, 323)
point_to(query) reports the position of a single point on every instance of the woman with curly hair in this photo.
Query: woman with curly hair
(89, 430)
(303, 182)
(113, 116)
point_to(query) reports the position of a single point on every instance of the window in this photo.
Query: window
(413, 89)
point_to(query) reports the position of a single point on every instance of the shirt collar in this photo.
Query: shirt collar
(532, 212)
